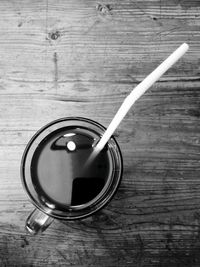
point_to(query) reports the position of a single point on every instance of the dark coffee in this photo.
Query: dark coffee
(59, 172)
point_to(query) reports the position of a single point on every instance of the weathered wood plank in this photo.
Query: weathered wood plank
(81, 58)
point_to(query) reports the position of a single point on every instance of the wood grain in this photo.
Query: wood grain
(81, 58)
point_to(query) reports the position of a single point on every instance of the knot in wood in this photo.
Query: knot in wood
(103, 9)
(54, 35)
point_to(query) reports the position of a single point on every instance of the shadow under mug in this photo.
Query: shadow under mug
(58, 179)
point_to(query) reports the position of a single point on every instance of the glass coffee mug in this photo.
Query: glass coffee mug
(59, 179)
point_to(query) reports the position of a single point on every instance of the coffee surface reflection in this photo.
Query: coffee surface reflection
(59, 172)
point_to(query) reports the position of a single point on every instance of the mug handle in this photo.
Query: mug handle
(37, 222)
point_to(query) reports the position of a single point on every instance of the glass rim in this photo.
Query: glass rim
(102, 198)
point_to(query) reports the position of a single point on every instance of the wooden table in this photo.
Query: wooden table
(82, 58)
